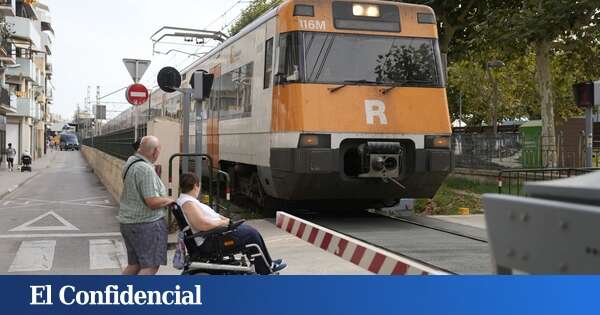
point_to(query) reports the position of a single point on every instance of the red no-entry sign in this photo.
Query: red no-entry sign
(137, 94)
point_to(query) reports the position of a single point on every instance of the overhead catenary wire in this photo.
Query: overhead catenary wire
(182, 62)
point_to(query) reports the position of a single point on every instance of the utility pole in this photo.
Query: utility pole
(187, 101)
(460, 116)
(589, 135)
(587, 95)
(494, 110)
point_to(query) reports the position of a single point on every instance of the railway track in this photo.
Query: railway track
(451, 247)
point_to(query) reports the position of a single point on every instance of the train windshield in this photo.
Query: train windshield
(331, 58)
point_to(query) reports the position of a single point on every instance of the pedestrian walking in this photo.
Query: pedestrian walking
(142, 211)
(10, 157)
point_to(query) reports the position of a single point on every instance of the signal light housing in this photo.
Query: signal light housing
(587, 94)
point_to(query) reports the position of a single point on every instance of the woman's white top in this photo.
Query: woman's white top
(207, 212)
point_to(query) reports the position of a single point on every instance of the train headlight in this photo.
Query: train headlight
(437, 142)
(391, 164)
(378, 164)
(366, 10)
(315, 141)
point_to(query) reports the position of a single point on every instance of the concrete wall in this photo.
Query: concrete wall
(107, 168)
(169, 134)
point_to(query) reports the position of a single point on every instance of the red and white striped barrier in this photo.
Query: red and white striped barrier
(369, 257)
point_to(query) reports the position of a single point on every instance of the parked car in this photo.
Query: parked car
(68, 142)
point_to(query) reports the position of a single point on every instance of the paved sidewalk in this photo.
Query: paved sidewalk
(303, 258)
(9, 181)
(474, 220)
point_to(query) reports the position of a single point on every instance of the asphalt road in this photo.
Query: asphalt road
(60, 222)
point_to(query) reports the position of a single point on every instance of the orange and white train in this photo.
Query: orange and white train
(331, 103)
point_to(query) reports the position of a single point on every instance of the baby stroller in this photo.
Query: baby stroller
(26, 162)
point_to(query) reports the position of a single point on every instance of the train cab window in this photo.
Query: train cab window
(268, 63)
(314, 57)
(289, 58)
(304, 10)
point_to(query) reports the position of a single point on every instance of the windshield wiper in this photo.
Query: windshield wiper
(347, 82)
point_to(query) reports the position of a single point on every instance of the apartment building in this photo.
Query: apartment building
(26, 73)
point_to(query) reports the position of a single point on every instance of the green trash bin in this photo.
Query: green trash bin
(531, 146)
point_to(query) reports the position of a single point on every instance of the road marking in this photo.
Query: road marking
(74, 235)
(107, 254)
(66, 225)
(15, 203)
(34, 256)
(71, 203)
(98, 202)
(86, 199)
(19, 207)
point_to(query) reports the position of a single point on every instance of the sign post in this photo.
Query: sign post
(587, 95)
(169, 80)
(136, 95)
(136, 69)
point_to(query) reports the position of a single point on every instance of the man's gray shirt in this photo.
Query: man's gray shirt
(141, 182)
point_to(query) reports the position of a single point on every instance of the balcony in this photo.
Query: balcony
(25, 29)
(8, 53)
(27, 70)
(8, 102)
(26, 107)
(47, 41)
(7, 7)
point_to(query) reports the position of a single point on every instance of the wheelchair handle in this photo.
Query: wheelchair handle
(236, 224)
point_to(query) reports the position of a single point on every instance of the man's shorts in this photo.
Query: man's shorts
(146, 243)
(10, 160)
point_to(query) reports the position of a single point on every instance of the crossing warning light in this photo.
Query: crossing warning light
(587, 94)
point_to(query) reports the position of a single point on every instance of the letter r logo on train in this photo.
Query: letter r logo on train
(375, 109)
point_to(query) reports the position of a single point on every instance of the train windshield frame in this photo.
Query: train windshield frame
(342, 58)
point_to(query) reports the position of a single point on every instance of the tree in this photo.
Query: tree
(544, 26)
(251, 13)
(459, 23)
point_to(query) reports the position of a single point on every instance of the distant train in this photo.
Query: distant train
(330, 103)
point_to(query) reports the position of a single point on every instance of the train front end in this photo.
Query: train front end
(360, 112)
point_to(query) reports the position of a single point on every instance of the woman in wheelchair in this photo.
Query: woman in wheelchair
(202, 218)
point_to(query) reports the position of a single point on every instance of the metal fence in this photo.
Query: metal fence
(512, 181)
(126, 119)
(511, 151)
(118, 144)
(483, 151)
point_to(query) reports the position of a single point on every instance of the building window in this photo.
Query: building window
(268, 63)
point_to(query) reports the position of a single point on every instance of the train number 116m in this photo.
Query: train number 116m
(313, 25)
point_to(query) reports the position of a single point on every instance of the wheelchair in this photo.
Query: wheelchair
(227, 256)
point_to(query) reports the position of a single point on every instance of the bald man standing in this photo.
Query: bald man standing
(142, 211)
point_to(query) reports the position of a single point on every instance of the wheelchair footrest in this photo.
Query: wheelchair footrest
(218, 267)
